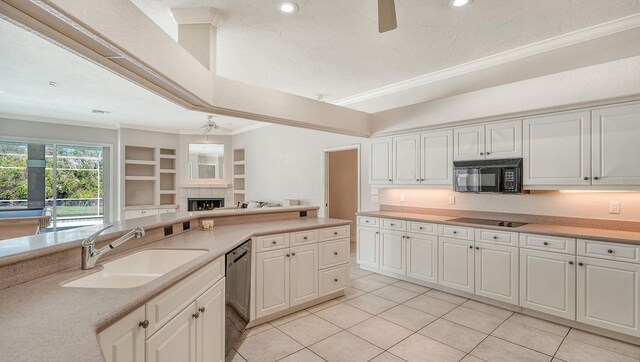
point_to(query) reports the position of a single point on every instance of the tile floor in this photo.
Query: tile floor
(384, 319)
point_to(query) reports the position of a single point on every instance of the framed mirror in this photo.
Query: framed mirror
(206, 161)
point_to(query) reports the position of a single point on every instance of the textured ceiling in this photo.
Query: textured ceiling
(28, 63)
(333, 47)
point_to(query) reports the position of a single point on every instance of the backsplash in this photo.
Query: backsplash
(593, 205)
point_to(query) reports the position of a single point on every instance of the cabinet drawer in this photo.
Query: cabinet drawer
(338, 232)
(304, 237)
(272, 242)
(606, 250)
(333, 280)
(458, 232)
(393, 224)
(165, 306)
(334, 253)
(497, 237)
(133, 214)
(422, 228)
(166, 211)
(548, 243)
(368, 221)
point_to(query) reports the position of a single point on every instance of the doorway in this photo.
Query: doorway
(342, 196)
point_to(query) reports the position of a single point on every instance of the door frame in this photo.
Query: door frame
(324, 209)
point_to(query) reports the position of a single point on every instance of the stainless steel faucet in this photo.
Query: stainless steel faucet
(90, 254)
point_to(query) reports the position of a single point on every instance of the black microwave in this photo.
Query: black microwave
(501, 176)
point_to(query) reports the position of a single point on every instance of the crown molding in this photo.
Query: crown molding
(250, 128)
(579, 36)
(20, 117)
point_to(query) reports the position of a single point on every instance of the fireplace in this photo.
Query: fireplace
(201, 204)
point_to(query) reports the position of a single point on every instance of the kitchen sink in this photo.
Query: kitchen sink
(136, 269)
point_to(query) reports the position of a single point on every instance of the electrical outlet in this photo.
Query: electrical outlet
(452, 200)
(168, 230)
(401, 197)
(614, 207)
(186, 225)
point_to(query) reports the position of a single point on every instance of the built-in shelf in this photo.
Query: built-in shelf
(168, 157)
(168, 192)
(239, 180)
(238, 176)
(167, 171)
(239, 192)
(140, 178)
(238, 163)
(150, 177)
(140, 162)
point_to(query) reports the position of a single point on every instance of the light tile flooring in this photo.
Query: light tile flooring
(384, 319)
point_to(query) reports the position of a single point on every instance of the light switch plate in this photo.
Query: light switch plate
(614, 207)
(401, 197)
(452, 200)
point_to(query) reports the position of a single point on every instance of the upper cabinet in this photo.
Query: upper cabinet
(616, 139)
(436, 165)
(557, 149)
(380, 162)
(491, 141)
(406, 160)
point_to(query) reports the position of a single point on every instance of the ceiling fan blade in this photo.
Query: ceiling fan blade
(386, 15)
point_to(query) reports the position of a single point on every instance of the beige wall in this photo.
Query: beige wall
(553, 203)
(343, 185)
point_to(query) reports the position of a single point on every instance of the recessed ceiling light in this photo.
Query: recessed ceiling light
(287, 7)
(459, 3)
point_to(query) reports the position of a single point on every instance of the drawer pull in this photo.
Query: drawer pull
(274, 242)
(455, 232)
(367, 221)
(470, 247)
(421, 228)
(545, 243)
(495, 237)
(293, 254)
(335, 233)
(610, 251)
(335, 253)
(196, 315)
(570, 263)
(586, 178)
(305, 238)
(580, 264)
(392, 224)
(335, 280)
(202, 309)
(144, 324)
(288, 255)
(481, 153)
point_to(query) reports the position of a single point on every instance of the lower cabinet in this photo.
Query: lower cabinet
(422, 257)
(392, 251)
(608, 293)
(496, 272)
(210, 330)
(124, 340)
(367, 252)
(455, 264)
(272, 282)
(176, 341)
(548, 282)
(303, 274)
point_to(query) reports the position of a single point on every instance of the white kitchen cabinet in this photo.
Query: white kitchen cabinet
(406, 160)
(124, 340)
(393, 251)
(496, 272)
(303, 274)
(422, 257)
(176, 341)
(548, 282)
(272, 282)
(455, 264)
(616, 136)
(557, 150)
(134, 214)
(608, 293)
(436, 158)
(468, 143)
(380, 162)
(367, 248)
(210, 325)
(503, 140)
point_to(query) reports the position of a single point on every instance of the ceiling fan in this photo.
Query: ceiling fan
(209, 125)
(386, 15)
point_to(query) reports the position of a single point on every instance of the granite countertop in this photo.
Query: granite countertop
(43, 321)
(19, 249)
(617, 236)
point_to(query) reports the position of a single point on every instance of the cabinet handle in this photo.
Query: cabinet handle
(274, 242)
(421, 228)
(144, 324)
(570, 263)
(488, 153)
(477, 248)
(390, 180)
(377, 232)
(335, 253)
(288, 255)
(545, 243)
(367, 221)
(455, 232)
(392, 224)
(418, 179)
(335, 279)
(293, 254)
(422, 179)
(495, 237)
(481, 153)
(580, 264)
(610, 251)
(586, 178)
(305, 238)
(335, 233)
(196, 315)
(202, 309)
(470, 247)
(596, 178)
(408, 238)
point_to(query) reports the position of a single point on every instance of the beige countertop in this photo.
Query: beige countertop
(617, 236)
(42, 321)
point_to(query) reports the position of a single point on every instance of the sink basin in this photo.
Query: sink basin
(136, 269)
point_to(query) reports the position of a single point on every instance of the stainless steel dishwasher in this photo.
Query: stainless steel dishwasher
(237, 293)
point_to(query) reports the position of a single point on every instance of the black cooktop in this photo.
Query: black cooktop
(507, 224)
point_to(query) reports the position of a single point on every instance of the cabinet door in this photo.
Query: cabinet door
(393, 251)
(503, 140)
(272, 282)
(422, 257)
(455, 264)
(380, 170)
(176, 340)
(367, 252)
(548, 282)
(616, 132)
(210, 326)
(406, 160)
(468, 143)
(124, 340)
(496, 274)
(608, 294)
(303, 274)
(557, 149)
(437, 158)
